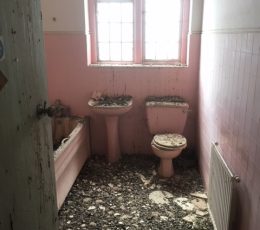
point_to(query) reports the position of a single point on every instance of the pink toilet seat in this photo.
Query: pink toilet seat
(169, 141)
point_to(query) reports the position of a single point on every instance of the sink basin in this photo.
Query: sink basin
(110, 110)
(111, 113)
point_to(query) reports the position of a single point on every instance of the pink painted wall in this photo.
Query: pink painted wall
(72, 81)
(229, 108)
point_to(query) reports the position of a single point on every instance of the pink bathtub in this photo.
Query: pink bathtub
(70, 156)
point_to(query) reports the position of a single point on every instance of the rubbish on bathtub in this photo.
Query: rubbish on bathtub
(60, 110)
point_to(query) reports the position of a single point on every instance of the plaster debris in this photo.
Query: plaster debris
(102, 208)
(201, 213)
(160, 197)
(184, 203)
(155, 214)
(92, 224)
(99, 201)
(111, 185)
(200, 204)
(87, 200)
(199, 195)
(190, 218)
(125, 217)
(113, 197)
(163, 218)
(144, 180)
(152, 186)
(97, 99)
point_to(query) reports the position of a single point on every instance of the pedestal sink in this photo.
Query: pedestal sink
(111, 109)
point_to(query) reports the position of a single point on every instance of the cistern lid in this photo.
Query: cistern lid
(166, 101)
(170, 140)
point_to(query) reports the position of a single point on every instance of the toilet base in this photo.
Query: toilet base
(166, 168)
(166, 156)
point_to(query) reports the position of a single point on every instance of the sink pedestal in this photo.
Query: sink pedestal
(113, 147)
(111, 115)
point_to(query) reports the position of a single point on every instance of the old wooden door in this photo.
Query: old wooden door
(27, 187)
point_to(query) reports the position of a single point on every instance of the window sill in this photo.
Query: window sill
(139, 65)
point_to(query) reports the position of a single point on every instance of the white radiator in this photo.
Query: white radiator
(221, 183)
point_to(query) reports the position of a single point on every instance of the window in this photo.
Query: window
(138, 31)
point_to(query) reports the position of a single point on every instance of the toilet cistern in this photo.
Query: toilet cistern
(166, 119)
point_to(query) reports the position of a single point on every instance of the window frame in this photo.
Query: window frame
(138, 36)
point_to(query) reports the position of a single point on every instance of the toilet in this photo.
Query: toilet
(166, 118)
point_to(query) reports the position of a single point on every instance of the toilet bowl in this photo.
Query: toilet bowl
(167, 147)
(166, 121)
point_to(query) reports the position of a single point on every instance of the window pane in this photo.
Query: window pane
(127, 32)
(150, 51)
(173, 51)
(151, 34)
(103, 12)
(162, 33)
(115, 51)
(127, 52)
(127, 12)
(115, 30)
(103, 51)
(103, 32)
(161, 51)
(115, 12)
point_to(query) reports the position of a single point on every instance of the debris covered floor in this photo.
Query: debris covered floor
(130, 195)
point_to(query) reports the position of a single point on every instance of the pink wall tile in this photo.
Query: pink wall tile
(229, 113)
(72, 81)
